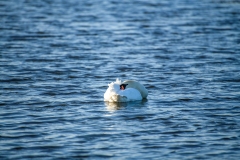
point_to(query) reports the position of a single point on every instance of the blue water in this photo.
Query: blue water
(57, 57)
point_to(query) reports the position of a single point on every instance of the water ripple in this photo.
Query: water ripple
(57, 57)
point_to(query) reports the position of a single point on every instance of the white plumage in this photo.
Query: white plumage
(115, 94)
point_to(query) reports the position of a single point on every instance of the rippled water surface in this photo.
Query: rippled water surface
(57, 57)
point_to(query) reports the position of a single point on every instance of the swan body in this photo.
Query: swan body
(115, 94)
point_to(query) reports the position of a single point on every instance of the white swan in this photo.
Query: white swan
(124, 92)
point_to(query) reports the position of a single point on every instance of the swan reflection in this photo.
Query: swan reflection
(113, 106)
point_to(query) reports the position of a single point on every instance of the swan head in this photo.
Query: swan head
(123, 86)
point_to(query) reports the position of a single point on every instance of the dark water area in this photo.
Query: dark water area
(57, 57)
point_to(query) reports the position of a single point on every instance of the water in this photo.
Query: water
(57, 57)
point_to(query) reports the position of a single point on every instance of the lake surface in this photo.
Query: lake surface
(57, 58)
